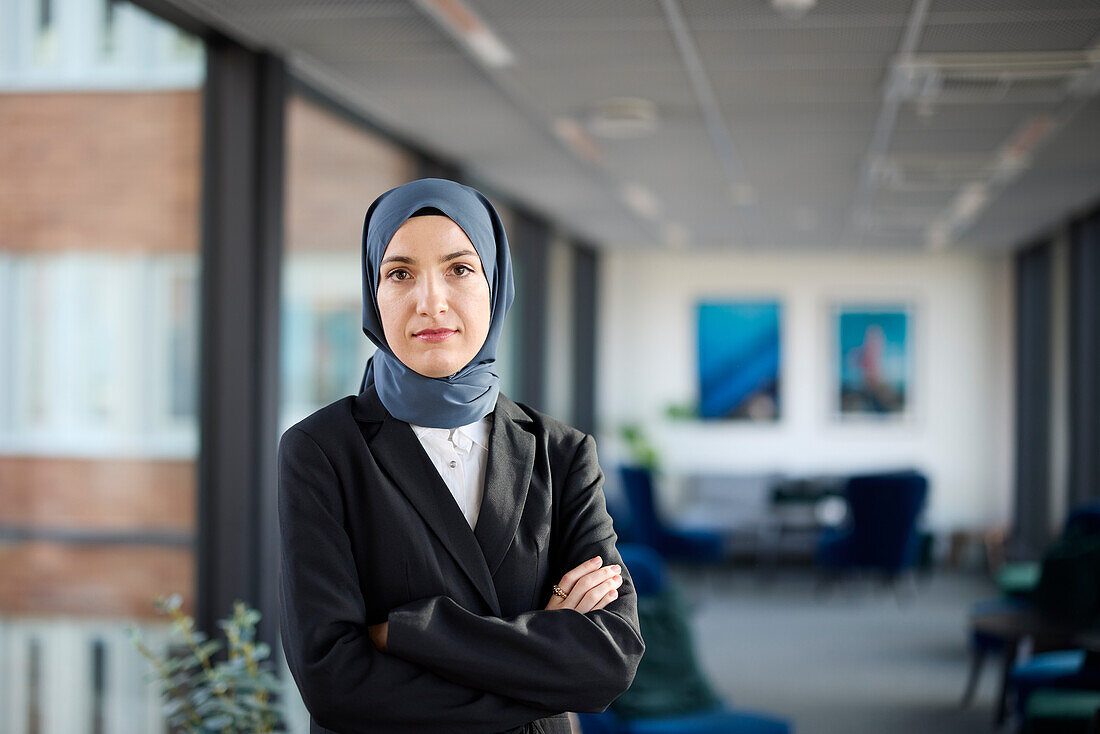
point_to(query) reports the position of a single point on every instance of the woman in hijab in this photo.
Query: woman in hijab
(447, 561)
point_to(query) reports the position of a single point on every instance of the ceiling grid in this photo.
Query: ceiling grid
(991, 142)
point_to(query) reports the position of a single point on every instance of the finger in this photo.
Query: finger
(570, 578)
(556, 602)
(588, 581)
(607, 599)
(593, 595)
(592, 598)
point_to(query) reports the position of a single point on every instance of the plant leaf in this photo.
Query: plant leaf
(219, 721)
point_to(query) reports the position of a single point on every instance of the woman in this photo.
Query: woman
(425, 521)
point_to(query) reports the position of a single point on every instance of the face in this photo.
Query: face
(433, 296)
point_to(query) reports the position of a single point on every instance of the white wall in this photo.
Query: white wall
(960, 433)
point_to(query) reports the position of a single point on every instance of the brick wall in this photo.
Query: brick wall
(116, 494)
(43, 578)
(98, 172)
(334, 171)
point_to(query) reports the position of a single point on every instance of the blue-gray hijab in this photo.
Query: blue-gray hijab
(471, 393)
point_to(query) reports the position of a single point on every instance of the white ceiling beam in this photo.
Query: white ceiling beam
(719, 134)
(887, 118)
(714, 122)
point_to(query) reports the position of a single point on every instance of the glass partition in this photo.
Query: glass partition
(101, 108)
(335, 169)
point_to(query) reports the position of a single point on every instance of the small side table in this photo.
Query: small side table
(1015, 627)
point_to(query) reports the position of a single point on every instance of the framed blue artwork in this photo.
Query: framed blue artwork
(739, 357)
(872, 360)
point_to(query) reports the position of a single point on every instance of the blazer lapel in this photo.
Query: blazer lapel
(507, 478)
(400, 454)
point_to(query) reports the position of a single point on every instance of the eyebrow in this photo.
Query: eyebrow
(411, 261)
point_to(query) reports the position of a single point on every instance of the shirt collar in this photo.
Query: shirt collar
(464, 436)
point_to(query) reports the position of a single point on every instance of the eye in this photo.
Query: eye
(396, 271)
(465, 267)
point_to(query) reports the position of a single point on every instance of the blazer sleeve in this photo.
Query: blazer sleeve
(558, 658)
(347, 684)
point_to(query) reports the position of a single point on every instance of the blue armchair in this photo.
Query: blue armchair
(881, 532)
(1056, 669)
(647, 528)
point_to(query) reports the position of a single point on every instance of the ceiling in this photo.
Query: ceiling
(900, 125)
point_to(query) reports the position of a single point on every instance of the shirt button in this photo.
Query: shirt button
(452, 464)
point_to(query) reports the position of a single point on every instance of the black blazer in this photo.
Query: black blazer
(370, 532)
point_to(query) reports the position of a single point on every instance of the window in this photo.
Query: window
(335, 169)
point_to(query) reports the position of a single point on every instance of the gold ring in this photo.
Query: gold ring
(558, 591)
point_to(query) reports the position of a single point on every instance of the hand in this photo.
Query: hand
(589, 586)
(378, 634)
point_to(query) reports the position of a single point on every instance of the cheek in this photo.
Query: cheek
(480, 310)
(390, 309)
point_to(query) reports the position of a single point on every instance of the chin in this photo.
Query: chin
(437, 370)
(436, 374)
(433, 361)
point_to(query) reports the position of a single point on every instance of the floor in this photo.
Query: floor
(855, 658)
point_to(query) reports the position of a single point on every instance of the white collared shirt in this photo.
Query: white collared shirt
(459, 455)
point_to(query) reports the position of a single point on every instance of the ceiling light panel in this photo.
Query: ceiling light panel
(459, 20)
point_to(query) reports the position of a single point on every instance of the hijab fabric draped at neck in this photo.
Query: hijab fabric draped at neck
(471, 393)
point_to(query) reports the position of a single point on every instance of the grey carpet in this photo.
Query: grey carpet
(859, 659)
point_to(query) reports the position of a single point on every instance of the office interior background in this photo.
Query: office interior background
(760, 248)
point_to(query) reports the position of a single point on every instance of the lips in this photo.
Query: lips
(434, 335)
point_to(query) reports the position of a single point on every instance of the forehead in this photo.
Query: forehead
(428, 232)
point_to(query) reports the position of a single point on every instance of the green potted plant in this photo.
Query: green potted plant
(681, 412)
(642, 451)
(232, 696)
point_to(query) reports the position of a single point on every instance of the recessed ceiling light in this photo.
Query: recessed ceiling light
(579, 141)
(793, 8)
(970, 201)
(641, 200)
(459, 19)
(1015, 155)
(623, 117)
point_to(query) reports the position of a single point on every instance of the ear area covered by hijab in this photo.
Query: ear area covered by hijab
(471, 393)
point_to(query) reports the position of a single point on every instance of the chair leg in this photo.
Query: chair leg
(976, 661)
(1000, 712)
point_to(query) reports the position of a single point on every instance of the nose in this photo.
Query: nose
(431, 296)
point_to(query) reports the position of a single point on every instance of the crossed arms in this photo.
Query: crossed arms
(445, 668)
